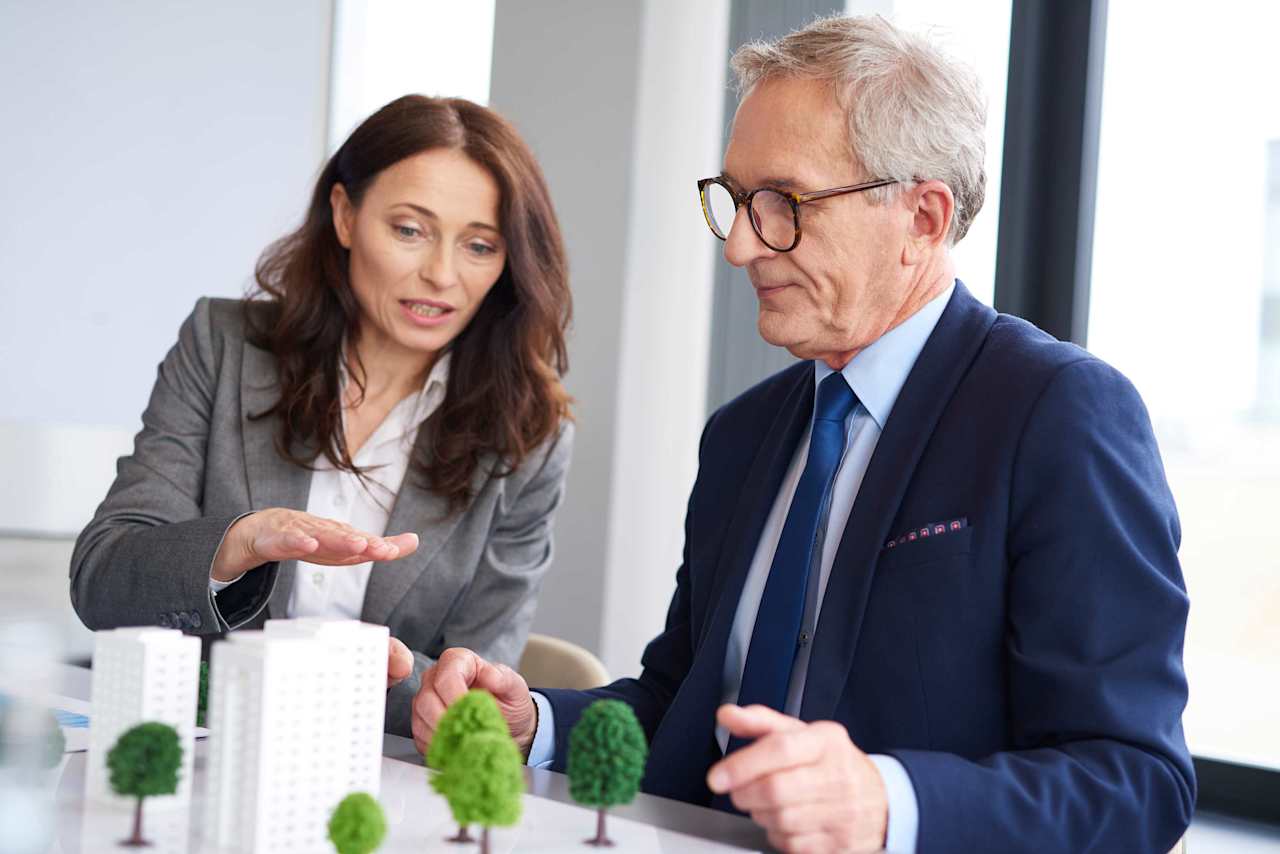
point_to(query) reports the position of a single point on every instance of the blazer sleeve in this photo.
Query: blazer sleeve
(144, 559)
(1097, 613)
(493, 615)
(665, 662)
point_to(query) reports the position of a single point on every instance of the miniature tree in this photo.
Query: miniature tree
(607, 752)
(143, 763)
(202, 701)
(483, 782)
(474, 712)
(358, 825)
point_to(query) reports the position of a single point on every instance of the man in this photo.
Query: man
(930, 596)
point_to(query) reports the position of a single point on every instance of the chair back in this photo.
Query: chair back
(554, 663)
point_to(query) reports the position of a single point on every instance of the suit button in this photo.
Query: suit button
(196, 620)
(164, 621)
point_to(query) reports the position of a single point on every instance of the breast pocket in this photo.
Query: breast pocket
(940, 547)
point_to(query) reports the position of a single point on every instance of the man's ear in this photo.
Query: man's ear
(344, 214)
(931, 207)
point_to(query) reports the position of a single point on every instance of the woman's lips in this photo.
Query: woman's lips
(426, 312)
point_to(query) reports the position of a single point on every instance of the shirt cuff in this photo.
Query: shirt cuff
(904, 809)
(543, 750)
(219, 586)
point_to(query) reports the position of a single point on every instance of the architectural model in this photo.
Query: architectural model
(296, 718)
(141, 675)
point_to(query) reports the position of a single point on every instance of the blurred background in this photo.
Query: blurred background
(152, 150)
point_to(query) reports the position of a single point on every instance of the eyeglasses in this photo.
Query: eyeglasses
(774, 214)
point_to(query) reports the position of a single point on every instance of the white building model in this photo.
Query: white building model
(141, 675)
(295, 717)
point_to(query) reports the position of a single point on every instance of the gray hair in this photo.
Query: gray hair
(913, 113)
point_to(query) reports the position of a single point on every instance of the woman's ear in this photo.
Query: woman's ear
(344, 214)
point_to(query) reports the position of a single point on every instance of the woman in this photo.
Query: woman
(381, 433)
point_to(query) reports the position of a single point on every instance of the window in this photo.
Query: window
(977, 34)
(1186, 302)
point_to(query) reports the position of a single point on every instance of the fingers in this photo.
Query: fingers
(502, 682)
(289, 534)
(791, 787)
(754, 721)
(801, 843)
(405, 544)
(777, 751)
(455, 674)
(399, 662)
(442, 684)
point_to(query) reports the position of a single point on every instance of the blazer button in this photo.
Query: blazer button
(164, 621)
(178, 619)
(196, 620)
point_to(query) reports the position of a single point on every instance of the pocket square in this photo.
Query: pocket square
(933, 529)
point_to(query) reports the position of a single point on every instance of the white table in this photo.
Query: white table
(418, 819)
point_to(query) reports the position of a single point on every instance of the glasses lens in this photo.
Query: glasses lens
(720, 209)
(774, 219)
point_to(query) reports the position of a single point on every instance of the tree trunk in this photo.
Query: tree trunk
(484, 840)
(136, 840)
(462, 837)
(601, 840)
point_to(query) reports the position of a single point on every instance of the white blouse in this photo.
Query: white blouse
(338, 591)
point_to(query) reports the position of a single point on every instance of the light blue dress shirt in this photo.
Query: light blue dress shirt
(876, 376)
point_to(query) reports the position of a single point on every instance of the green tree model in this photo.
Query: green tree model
(357, 825)
(202, 703)
(474, 712)
(607, 752)
(483, 782)
(42, 747)
(143, 763)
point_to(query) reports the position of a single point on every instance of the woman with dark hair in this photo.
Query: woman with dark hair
(380, 432)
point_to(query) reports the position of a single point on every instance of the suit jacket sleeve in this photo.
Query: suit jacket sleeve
(1097, 612)
(666, 661)
(493, 615)
(145, 557)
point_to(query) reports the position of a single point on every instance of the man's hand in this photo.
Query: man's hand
(807, 784)
(458, 671)
(399, 663)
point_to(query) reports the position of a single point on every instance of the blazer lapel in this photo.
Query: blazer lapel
(273, 481)
(941, 365)
(419, 510)
(759, 491)
(689, 723)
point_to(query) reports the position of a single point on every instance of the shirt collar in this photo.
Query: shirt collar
(424, 401)
(878, 373)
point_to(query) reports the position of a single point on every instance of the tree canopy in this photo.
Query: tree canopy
(145, 761)
(483, 781)
(358, 824)
(476, 711)
(607, 754)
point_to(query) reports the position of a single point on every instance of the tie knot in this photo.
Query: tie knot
(835, 399)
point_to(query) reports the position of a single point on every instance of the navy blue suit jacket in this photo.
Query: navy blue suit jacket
(1027, 669)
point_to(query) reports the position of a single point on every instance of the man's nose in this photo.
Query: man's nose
(742, 245)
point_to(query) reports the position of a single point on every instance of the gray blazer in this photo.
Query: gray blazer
(200, 463)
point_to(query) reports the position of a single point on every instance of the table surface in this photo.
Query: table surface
(418, 819)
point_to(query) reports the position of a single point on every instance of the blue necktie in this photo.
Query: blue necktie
(775, 639)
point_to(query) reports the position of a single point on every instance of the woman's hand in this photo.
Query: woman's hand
(281, 534)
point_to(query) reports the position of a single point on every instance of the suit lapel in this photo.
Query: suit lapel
(942, 363)
(685, 742)
(759, 491)
(273, 481)
(420, 510)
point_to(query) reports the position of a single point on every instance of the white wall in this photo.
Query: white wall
(622, 103)
(153, 150)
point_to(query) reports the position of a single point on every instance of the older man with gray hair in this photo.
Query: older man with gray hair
(930, 597)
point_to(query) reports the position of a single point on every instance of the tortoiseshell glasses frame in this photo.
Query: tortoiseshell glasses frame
(795, 200)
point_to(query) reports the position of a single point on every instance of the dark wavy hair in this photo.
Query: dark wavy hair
(504, 396)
